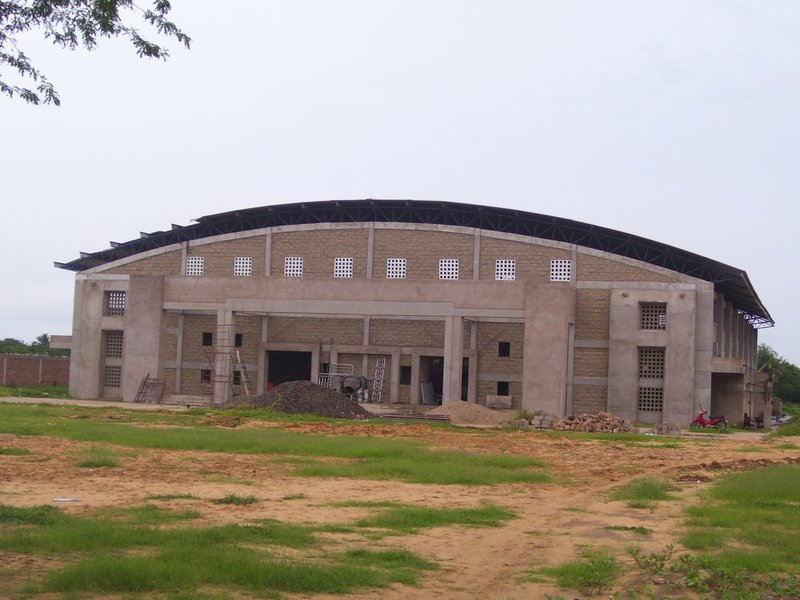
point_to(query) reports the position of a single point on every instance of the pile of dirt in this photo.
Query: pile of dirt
(602, 422)
(304, 397)
(466, 413)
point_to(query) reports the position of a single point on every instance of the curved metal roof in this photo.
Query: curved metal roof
(728, 280)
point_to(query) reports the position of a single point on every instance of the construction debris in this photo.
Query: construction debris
(601, 422)
(304, 397)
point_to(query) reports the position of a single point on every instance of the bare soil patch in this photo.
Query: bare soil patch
(554, 520)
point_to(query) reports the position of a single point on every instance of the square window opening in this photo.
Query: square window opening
(113, 344)
(448, 268)
(651, 399)
(114, 304)
(560, 270)
(293, 266)
(395, 268)
(505, 270)
(343, 267)
(112, 376)
(195, 265)
(243, 266)
(503, 388)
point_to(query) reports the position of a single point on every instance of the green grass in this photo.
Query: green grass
(364, 457)
(236, 499)
(129, 551)
(405, 518)
(14, 451)
(595, 571)
(786, 446)
(173, 497)
(643, 492)
(99, 456)
(749, 521)
(637, 530)
(52, 391)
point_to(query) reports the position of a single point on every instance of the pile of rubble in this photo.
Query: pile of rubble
(601, 422)
(304, 397)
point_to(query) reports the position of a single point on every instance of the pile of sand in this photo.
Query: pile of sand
(466, 413)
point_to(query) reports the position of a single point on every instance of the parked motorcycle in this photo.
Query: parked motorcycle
(702, 420)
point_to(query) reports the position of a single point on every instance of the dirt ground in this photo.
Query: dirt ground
(554, 520)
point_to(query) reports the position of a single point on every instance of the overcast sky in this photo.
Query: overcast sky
(677, 121)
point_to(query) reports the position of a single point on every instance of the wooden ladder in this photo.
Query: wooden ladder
(377, 383)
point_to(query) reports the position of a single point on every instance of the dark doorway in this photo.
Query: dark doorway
(431, 378)
(465, 378)
(288, 366)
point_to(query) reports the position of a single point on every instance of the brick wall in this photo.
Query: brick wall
(422, 251)
(533, 260)
(193, 328)
(594, 268)
(401, 332)
(591, 362)
(314, 330)
(589, 399)
(591, 314)
(219, 256)
(167, 263)
(489, 388)
(489, 336)
(18, 369)
(319, 248)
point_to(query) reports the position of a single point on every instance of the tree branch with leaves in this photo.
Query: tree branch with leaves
(72, 24)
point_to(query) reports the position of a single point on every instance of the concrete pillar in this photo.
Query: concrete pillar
(268, 254)
(453, 359)
(476, 256)
(414, 396)
(221, 388)
(394, 390)
(179, 354)
(142, 338)
(370, 249)
(261, 377)
(472, 384)
(548, 314)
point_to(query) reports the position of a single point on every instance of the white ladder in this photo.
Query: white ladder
(377, 383)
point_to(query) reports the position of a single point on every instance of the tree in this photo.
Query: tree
(786, 375)
(70, 24)
(42, 340)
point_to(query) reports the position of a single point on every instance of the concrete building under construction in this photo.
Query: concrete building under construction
(444, 301)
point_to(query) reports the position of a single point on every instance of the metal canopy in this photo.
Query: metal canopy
(730, 281)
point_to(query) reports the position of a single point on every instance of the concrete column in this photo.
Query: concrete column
(414, 397)
(315, 364)
(394, 390)
(184, 254)
(453, 359)
(142, 337)
(261, 377)
(703, 349)
(179, 354)
(476, 256)
(370, 249)
(472, 384)
(268, 254)
(548, 313)
(333, 356)
(221, 391)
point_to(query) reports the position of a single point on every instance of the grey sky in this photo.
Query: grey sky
(675, 121)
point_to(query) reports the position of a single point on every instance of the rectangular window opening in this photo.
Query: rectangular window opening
(237, 378)
(114, 304)
(238, 340)
(113, 344)
(505, 270)
(503, 388)
(112, 376)
(651, 363)
(205, 376)
(503, 348)
(208, 338)
(405, 375)
(653, 315)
